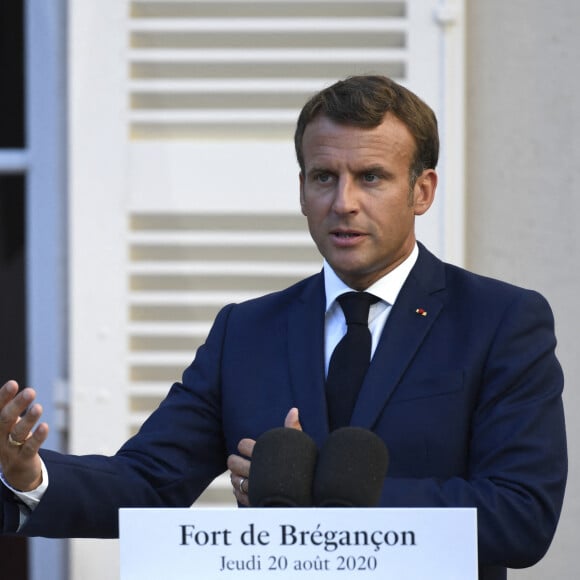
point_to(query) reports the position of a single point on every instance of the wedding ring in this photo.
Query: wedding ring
(241, 485)
(13, 441)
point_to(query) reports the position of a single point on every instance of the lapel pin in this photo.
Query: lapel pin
(421, 312)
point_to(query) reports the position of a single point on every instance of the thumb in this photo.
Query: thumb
(292, 419)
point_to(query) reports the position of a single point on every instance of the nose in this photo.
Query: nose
(345, 197)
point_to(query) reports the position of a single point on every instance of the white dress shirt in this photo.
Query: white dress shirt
(386, 289)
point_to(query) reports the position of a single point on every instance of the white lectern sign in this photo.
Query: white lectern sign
(298, 544)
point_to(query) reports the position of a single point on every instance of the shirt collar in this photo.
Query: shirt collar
(386, 288)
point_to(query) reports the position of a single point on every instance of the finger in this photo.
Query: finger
(7, 394)
(240, 488)
(8, 391)
(293, 419)
(246, 447)
(241, 498)
(22, 428)
(31, 445)
(239, 483)
(11, 411)
(239, 466)
(36, 440)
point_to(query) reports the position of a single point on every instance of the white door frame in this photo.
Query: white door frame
(44, 164)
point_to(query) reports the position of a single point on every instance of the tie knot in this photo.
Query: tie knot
(356, 306)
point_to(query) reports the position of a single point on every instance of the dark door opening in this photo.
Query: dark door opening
(13, 550)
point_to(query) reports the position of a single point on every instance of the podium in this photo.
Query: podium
(298, 543)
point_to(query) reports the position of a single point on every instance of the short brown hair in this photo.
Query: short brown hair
(363, 101)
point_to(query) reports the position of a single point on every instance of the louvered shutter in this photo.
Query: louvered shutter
(184, 185)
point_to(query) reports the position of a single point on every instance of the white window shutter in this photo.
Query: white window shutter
(184, 185)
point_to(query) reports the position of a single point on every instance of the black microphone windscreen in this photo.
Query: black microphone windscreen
(282, 469)
(351, 469)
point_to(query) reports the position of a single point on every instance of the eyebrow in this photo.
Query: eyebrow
(374, 169)
(318, 169)
(378, 169)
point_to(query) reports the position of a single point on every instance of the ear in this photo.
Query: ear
(302, 199)
(424, 191)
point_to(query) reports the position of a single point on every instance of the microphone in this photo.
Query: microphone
(282, 469)
(351, 469)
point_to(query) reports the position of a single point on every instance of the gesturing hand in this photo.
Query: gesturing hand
(19, 443)
(239, 465)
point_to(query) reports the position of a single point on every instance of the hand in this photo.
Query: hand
(19, 445)
(239, 465)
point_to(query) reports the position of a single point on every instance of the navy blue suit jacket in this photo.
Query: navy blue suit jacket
(467, 399)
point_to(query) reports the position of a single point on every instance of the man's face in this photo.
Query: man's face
(356, 196)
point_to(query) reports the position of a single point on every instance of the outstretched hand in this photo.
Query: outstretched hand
(239, 465)
(19, 441)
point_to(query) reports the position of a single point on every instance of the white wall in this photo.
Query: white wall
(523, 192)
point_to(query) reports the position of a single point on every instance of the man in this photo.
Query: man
(463, 385)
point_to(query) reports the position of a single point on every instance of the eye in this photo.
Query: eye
(370, 177)
(322, 177)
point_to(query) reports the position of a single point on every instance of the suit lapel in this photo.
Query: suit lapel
(402, 336)
(306, 358)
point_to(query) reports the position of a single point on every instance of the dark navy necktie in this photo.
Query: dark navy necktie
(350, 360)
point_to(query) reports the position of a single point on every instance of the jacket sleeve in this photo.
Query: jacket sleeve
(178, 451)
